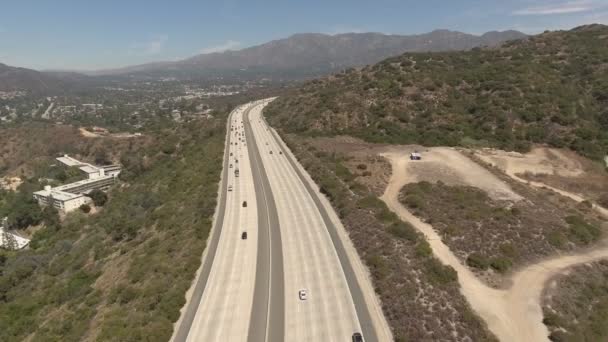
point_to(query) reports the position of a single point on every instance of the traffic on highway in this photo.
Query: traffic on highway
(277, 266)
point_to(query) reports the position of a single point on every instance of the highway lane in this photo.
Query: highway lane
(373, 323)
(224, 310)
(311, 261)
(268, 314)
(187, 317)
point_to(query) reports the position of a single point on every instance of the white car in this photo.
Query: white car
(229, 187)
(303, 294)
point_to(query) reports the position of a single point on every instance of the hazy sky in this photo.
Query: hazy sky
(93, 34)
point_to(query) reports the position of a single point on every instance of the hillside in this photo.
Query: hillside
(550, 88)
(12, 78)
(120, 274)
(313, 54)
(37, 82)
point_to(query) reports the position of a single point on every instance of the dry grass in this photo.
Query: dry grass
(575, 304)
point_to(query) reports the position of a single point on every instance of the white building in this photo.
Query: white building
(71, 196)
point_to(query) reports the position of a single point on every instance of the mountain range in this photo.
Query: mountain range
(313, 54)
(299, 56)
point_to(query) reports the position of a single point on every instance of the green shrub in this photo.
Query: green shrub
(557, 239)
(99, 197)
(440, 273)
(404, 231)
(581, 231)
(423, 249)
(378, 266)
(414, 202)
(85, 208)
(477, 260)
(501, 264)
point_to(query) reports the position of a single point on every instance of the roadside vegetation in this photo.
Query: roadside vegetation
(550, 89)
(576, 306)
(489, 234)
(120, 274)
(420, 296)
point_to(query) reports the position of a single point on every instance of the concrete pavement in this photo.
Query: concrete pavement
(247, 290)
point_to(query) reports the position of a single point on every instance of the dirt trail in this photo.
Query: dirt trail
(514, 314)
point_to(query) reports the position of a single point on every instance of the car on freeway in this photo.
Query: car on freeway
(244, 204)
(357, 337)
(244, 236)
(229, 187)
(303, 294)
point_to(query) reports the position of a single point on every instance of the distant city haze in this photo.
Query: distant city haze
(77, 35)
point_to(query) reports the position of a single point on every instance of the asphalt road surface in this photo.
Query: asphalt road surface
(248, 289)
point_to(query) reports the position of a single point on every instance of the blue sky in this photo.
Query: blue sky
(88, 34)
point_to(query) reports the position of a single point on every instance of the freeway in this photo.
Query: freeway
(248, 289)
(220, 307)
(310, 255)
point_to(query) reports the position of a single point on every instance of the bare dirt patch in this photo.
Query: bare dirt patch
(561, 170)
(10, 183)
(453, 168)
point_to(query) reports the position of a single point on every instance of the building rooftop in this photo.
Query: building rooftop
(57, 194)
(89, 169)
(69, 161)
(67, 187)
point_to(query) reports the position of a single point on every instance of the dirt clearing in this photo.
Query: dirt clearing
(562, 171)
(513, 314)
(451, 167)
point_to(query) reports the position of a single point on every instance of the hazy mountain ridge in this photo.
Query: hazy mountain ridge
(311, 54)
(13, 78)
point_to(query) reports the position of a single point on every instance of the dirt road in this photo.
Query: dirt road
(514, 314)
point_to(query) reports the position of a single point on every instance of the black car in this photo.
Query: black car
(244, 236)
(357, 337)
(244, 204)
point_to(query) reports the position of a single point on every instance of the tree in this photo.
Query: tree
(101, 157)
(50, 216)
(24, 212)
(99, 197)
(85, 208)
